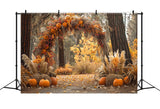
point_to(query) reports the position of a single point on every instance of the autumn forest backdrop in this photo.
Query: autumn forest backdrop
(79, 53)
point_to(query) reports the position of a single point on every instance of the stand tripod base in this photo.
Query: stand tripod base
(17, 85)
(140, 85)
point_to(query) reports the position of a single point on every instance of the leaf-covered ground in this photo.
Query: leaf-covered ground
(84, 83)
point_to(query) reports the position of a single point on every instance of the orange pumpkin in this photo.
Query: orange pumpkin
(58, 25)
(117, 82)
(54, 81)
(64, 24)
(32, 82)
(102, 81)
(126, 80)
(44, 83)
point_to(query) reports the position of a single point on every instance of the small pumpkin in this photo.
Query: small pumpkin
(32, 82)
(44, 83)
(126, 80)
(102, 81)
(54, 81)
(58, 25)
(117, 82)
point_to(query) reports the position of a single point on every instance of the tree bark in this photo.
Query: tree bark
(25, 34)
(61, 52)
(117, 34)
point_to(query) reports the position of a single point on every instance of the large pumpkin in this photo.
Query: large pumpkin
(32, 82)
(54, 81)
(44, 83)
(102, 81)
(117, 82)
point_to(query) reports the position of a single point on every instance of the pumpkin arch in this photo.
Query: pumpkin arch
(59, 27)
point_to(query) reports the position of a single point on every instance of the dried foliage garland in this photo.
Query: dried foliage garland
(58, 28)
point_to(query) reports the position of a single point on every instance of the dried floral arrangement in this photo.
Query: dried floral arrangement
(38, 69)
(58, 28)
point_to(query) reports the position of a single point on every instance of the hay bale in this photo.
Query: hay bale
(36, 76)
(52, 74)
(110, 78)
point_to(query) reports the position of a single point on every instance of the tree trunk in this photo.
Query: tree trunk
(25, 34)
(61, 52)
(117, 34)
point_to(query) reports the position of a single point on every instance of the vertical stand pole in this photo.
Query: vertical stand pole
(16, 56)
(142, 49)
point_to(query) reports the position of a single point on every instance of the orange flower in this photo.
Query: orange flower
(53, 30)
(80, 22)
(38, 57)
(96, 26)
(37, 61)
(64, 24)
(45, 37)
(47, 46)
(58, 25)
(52, 36)
(43, 51)
(67, 17)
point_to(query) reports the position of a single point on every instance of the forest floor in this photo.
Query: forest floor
(83, 83)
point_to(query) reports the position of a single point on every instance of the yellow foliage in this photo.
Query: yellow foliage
(110, 45)
(133, 51)
(86, 50)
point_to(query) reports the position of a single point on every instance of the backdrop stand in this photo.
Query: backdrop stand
(141, 81)
(17, 82)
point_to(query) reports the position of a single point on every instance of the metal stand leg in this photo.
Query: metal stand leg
(141, 86)
(17, 85)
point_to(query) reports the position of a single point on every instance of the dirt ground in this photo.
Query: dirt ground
(84, 83)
